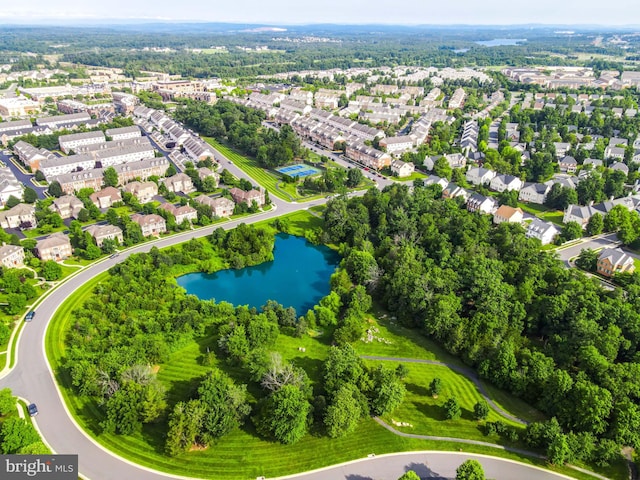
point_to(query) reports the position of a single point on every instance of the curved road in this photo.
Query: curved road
(33, 380)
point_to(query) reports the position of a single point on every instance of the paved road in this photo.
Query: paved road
(608, 240)
(428, 465)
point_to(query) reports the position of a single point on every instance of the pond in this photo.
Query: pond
(298, 277)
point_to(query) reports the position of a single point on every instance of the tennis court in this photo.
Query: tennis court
(298, 170)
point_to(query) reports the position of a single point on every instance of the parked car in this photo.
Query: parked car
(33, 410)
(29, 316)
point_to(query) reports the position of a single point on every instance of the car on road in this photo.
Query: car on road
(29, 316)
(114, 255)
(33, 410)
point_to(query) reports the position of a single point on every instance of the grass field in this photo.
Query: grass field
(272, 181)
(242, 454)
(427, 415)
(411, 178)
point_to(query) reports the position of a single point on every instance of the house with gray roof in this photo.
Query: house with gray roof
(543, 231)
(480, 203)
(480, 175)
(501, 183)
(614, 260)
(534, 193)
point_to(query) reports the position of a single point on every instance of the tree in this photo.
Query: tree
(15, 303)
(452, 409)
(388, 391)
(442, 168)
(470, 470)
(347, 407)
(595, 226)
(40, 176)
(12, 202)
(7, 402)
(171, 171)
(185, 426)
(481, 410)
(29, 195)
(558, 450)
(410, 475)
(55, 190)
(587, 260)
(225, 405)
(354, 177)
(571, 231)
(110, 177)
(435, 387)
(283, 415)
(51, 270)
(17, 433)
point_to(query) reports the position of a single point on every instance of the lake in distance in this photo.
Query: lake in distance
(298, 277)
(498, 42)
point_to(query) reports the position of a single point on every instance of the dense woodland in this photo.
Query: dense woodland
(242, 127)
(489, 295)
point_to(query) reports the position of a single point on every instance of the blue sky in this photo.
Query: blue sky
(485, 12)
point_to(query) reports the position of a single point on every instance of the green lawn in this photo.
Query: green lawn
(410, 178)
(394, 340)
(427, 415)
(533, 208)
(552, 216)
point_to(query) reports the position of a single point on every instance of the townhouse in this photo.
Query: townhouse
(75, 181)
(142, 169)
(123, 133)
(55, 166)
(69, 142)
(368, 156)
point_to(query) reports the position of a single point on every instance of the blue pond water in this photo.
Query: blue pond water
(298, 277)
(498, 42)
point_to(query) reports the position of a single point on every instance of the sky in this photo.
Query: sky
(290, 12)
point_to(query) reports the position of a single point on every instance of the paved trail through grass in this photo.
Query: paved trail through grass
(467, 372)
